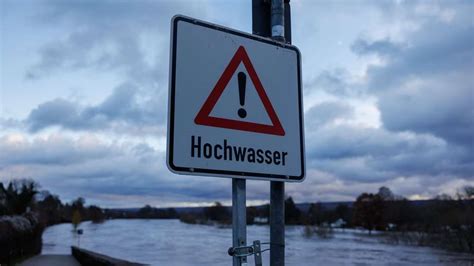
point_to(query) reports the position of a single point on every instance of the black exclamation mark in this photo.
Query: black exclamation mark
(242, 83)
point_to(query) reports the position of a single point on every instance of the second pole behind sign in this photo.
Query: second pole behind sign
(277, 189)
(274, 21)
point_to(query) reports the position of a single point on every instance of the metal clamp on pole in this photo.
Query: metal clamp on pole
(245, 251)
(240, 251)
(257, 251)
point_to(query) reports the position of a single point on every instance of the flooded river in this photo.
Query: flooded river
(170, 242)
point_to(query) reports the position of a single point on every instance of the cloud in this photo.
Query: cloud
(108, 36)
(55, 112)
(53, 150)
(425, 84)
(324, 185)
(431, 51)
(388, 103)
(442, 106)
(128, 39)
(327, 112)
(379, 47)
(374, 154)
(92, 167)
(422, 11)
(127, 110)
(335, 82)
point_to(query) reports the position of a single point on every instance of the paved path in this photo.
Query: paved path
(51, 260)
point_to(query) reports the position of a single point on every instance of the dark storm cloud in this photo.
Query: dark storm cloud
(125, 107)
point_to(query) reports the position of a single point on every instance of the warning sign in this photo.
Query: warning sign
(203, 117)
(235, 107)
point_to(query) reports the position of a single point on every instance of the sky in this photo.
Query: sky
(388, 92)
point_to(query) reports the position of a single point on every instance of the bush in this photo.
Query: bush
(20, 236)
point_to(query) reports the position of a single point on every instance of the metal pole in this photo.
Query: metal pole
(277, 189)
(269, 21)
(239, 218)
(277, 223)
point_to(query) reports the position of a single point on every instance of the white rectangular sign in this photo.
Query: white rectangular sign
(235, 104)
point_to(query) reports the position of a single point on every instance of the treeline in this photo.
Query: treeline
(23, 196)
(445, 221)
(25, 211)
(146, 212)
(219, 214)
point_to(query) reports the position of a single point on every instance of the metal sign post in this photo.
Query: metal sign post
(268, 20)
(239, 219)
(277, 223)
(277, 189)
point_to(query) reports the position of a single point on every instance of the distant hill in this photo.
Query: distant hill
(302, 206)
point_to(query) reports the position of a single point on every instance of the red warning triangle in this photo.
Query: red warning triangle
(204, 118)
